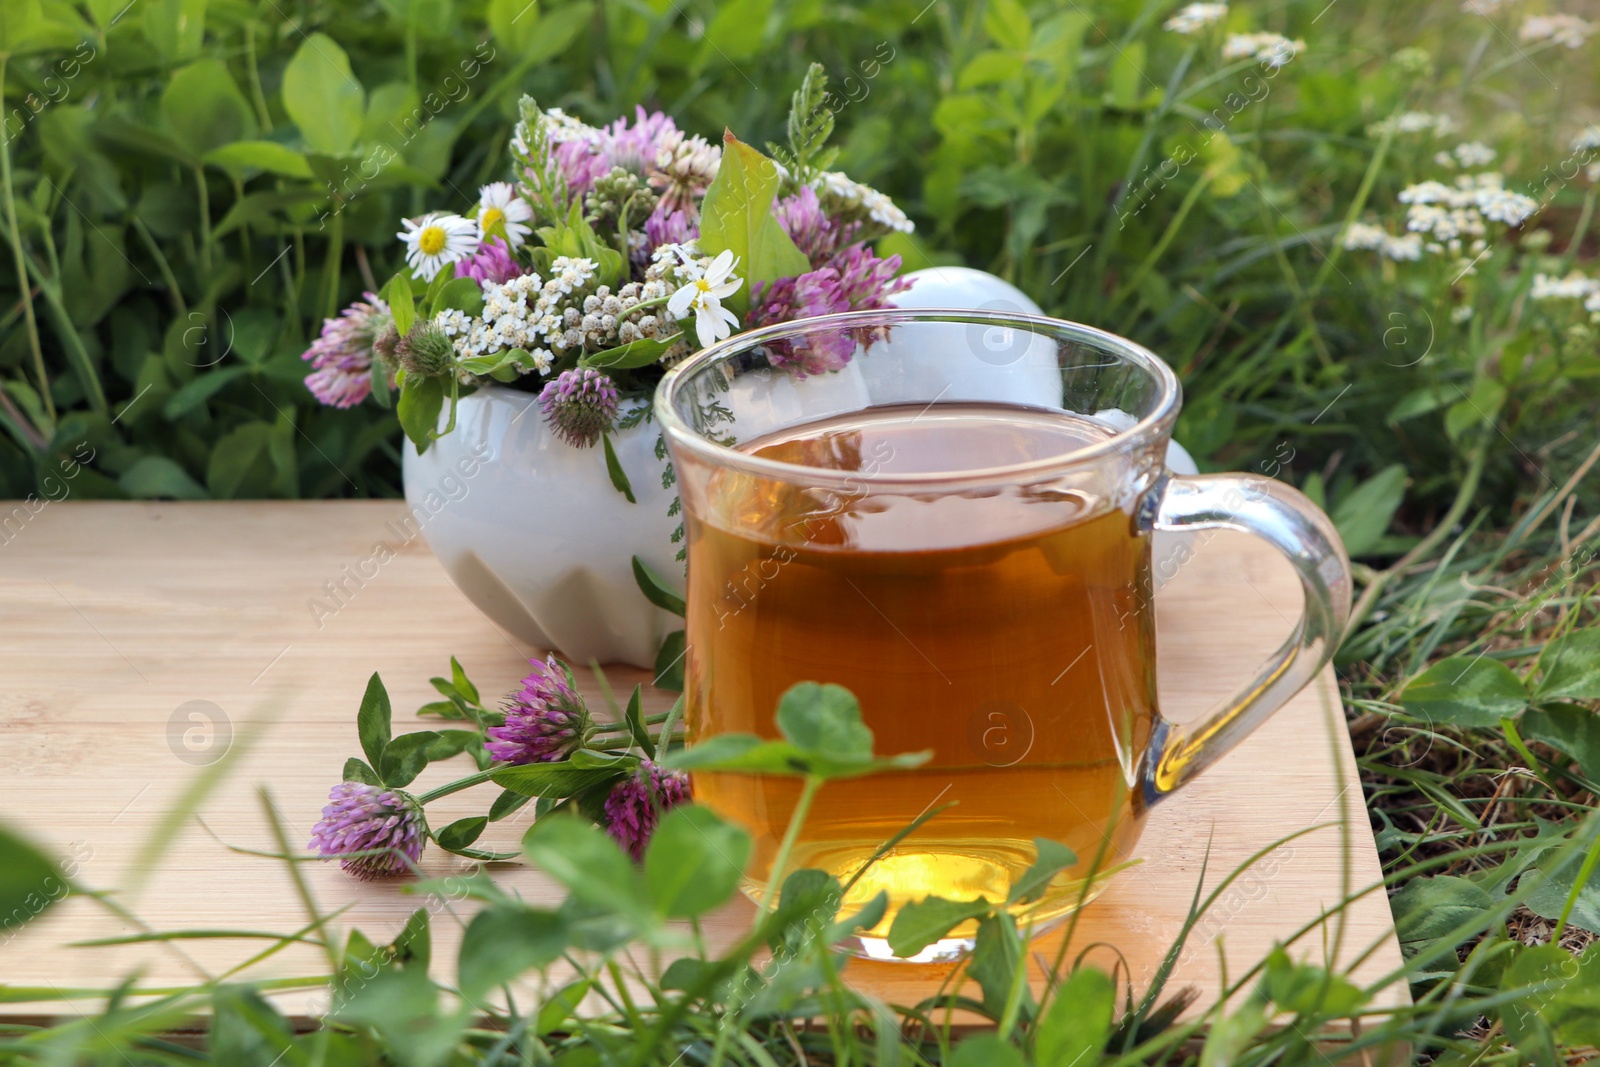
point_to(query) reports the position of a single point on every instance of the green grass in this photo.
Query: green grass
(154, 300)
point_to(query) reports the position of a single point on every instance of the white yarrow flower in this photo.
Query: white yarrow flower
(1196, 17)
(1574, 286)
(499, 202)
(1587, 139)
(1474, 154)
(1271, 49)
(1414, 122)
(1568, 30)
(436, 241)
(704, 295)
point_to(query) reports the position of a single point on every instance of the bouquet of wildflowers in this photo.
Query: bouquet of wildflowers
(614, 252)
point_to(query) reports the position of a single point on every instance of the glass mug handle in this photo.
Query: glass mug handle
(1283, 517)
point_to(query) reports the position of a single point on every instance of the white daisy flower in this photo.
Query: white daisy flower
(1568, 30)
(704, 296)
(498, 202)
(436, 241)
(1196, 17)
(1271, 49)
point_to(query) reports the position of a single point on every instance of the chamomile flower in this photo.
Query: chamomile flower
(436, 241)
(703, 296)
(498, 202)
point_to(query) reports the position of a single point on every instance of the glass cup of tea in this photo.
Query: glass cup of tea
(950, 513)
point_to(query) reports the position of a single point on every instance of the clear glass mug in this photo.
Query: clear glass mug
(950, 513)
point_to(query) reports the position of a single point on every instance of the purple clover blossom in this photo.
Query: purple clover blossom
(666, 227)
(866, 281)
(546, 720)
(580, 405)
(635, 147)
(492, 263)
(855, 280)
(636, 805)
(376, 832)
(812, 230)
(342, 355)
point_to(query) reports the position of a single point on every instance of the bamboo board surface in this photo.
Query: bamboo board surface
(114, 617)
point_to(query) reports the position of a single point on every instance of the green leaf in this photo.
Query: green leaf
(925, 921)
(421, 401)
(463, 685)
(372, 721)
(694, 862)
(589, 863)
(461, 833)
(990, 67)
(322, 96)
(557, 1009)
(1570, 667)
(634, 716)
(553, 779)
(174, 28)
(414, 943)
(243, 157)
(1007, 24)
(997, 955)
(356, 770)
(401, 303)
(825, 720)
(204, 109)
(1429, 908)
(669, 662)
(452, 743)
(1561, 868)
(30, 881)
(504, 941)
(634, 354)
(749, 754)
(460, 294)
(1075, 1026)
(1304, 989)
(512, 22)
(195, 392)
(656, 590)
(736, 32)
(404, 758)
(1052, 858)
(157, 477)
(1562, 991)
(508, 802)
(1465, 692)
(618, 476)
(1126, 81)
(1570, 728)
(239, 463)
(736, 216)
(1362, 515)
(986, 1050)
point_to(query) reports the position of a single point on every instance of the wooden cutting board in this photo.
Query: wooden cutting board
(140, 641)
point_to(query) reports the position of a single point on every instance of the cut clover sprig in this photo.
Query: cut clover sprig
(544, 745)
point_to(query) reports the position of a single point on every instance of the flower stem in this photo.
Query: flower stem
(23, 288)
(802, 808)
(458, 785)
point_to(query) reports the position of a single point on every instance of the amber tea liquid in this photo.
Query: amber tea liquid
(1009, 630)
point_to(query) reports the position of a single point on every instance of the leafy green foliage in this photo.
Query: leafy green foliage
(1467, 692)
